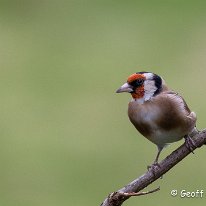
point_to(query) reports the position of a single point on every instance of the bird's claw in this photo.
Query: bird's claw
(190, 144)
(153, 167)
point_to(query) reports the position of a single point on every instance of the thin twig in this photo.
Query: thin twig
(134, 187)
(131, 194)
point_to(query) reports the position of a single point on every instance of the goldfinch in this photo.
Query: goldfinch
(158, 113)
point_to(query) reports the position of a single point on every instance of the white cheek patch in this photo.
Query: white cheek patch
(149, 89)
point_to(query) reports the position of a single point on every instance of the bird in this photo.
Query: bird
(157, 112)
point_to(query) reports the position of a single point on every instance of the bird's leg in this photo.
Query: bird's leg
(155, 163)
(190, 144)
(158, 154)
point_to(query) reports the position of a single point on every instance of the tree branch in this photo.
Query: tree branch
(117, 198)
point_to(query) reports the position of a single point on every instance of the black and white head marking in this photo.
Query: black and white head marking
(152, 85)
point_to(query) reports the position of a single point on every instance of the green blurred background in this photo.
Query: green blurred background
(65, 135)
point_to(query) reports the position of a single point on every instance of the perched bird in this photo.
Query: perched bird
(158, 113)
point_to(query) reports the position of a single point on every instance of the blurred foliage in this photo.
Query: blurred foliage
(65, 135)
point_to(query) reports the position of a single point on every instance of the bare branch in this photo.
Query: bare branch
(139, 193)
(134, 187)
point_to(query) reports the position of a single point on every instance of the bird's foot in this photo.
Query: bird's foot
(153, 168)
(190, 144)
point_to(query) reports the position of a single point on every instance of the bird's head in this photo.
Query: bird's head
(142, 85)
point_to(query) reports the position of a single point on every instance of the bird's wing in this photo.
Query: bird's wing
(174, 96)
(174, 112)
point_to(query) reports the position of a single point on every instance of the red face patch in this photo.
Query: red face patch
(134, 77)
(139, 91)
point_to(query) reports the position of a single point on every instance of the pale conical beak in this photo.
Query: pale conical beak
(125, 88)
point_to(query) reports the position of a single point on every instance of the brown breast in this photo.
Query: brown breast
(164, 112)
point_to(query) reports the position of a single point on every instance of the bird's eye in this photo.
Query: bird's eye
(140, 81)
(137, 82)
